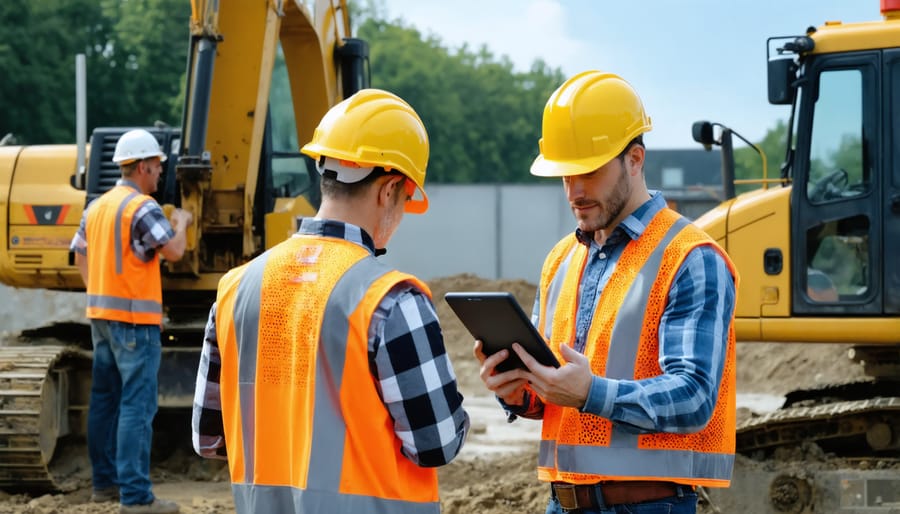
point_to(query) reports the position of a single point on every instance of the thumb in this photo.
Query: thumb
(570, 354)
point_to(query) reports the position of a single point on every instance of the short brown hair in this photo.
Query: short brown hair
(331, 187)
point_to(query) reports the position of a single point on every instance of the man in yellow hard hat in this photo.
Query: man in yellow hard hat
(638, 304)
(322, 368)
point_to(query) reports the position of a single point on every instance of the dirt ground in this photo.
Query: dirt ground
(495, 474)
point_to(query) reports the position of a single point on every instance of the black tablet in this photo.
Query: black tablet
(498, 321)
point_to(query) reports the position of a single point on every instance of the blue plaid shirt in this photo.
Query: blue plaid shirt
(409, 364)
(149, 228)
(693, 335)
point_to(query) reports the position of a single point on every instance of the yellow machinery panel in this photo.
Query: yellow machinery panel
(44, 211)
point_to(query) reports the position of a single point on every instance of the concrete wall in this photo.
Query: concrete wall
(493, 231)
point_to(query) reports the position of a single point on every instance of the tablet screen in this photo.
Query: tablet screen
(498, 321)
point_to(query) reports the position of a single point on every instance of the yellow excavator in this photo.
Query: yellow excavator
(244, 195)
(818, 250)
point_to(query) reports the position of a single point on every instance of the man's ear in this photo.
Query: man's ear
(635, 158)
(388, 189)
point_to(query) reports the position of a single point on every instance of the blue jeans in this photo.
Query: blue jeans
(123, 403)
(683, 504)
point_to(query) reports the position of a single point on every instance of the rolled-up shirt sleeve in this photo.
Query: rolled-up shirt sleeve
(415, 378)
(207, 428)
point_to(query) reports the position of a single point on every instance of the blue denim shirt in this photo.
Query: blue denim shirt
(693, 336)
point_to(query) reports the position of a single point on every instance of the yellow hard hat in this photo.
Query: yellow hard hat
(588, 121)
(375, 128)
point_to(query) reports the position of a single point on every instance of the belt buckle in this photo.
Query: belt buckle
(565, 495)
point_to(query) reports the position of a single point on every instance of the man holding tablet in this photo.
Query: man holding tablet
(638, 305)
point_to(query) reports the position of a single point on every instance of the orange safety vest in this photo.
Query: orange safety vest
(623, 343)
(305, 426)
(121, 287)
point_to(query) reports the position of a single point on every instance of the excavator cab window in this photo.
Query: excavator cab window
(836, 219)
(838, 250)
(836, 167)
(838, 260)
(293, 174)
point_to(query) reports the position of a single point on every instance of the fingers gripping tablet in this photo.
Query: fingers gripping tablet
(498, 321)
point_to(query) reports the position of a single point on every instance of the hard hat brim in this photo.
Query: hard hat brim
(543, 167)
(162, 158)
(417, 205)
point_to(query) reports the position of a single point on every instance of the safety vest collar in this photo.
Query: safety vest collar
(634, 225)
(337, 229)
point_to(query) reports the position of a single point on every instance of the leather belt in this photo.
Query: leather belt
(605, 494)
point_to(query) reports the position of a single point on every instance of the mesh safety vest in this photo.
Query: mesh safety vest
(121, 287)
(305, 427)
(623, 343)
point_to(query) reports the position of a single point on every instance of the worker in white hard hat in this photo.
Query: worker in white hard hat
(637, 304)
(117, 249)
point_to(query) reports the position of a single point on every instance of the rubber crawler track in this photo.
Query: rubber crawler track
(28, 385)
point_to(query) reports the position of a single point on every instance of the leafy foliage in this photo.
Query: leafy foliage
(135, 52)
(748, 164)
(483, 117)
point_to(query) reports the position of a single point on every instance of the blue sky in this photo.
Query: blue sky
(689, 59)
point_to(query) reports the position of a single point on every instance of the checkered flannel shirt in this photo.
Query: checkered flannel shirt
(149, 229)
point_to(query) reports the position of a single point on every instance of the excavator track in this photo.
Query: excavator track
(845, 428)
(39, 404)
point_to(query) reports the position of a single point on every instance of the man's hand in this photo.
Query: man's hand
(509, 386)
(181, 218)
(567, 385)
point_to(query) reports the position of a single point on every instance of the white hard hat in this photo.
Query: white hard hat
(137, 144)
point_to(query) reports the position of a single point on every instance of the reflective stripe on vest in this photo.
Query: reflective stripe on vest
(624, 455)
(252, 498)
(121, 286)
(325, 483)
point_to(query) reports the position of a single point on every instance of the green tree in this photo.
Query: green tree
(146, 60)
(37, 60)
(135, 54)
(748, 164)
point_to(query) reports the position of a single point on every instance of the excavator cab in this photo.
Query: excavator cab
(817, 252)
(841, 220)
(845, 200)
(817, 246)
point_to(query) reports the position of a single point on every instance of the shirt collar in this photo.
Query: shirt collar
(339, 230)
(633, 225)
(127, 183)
